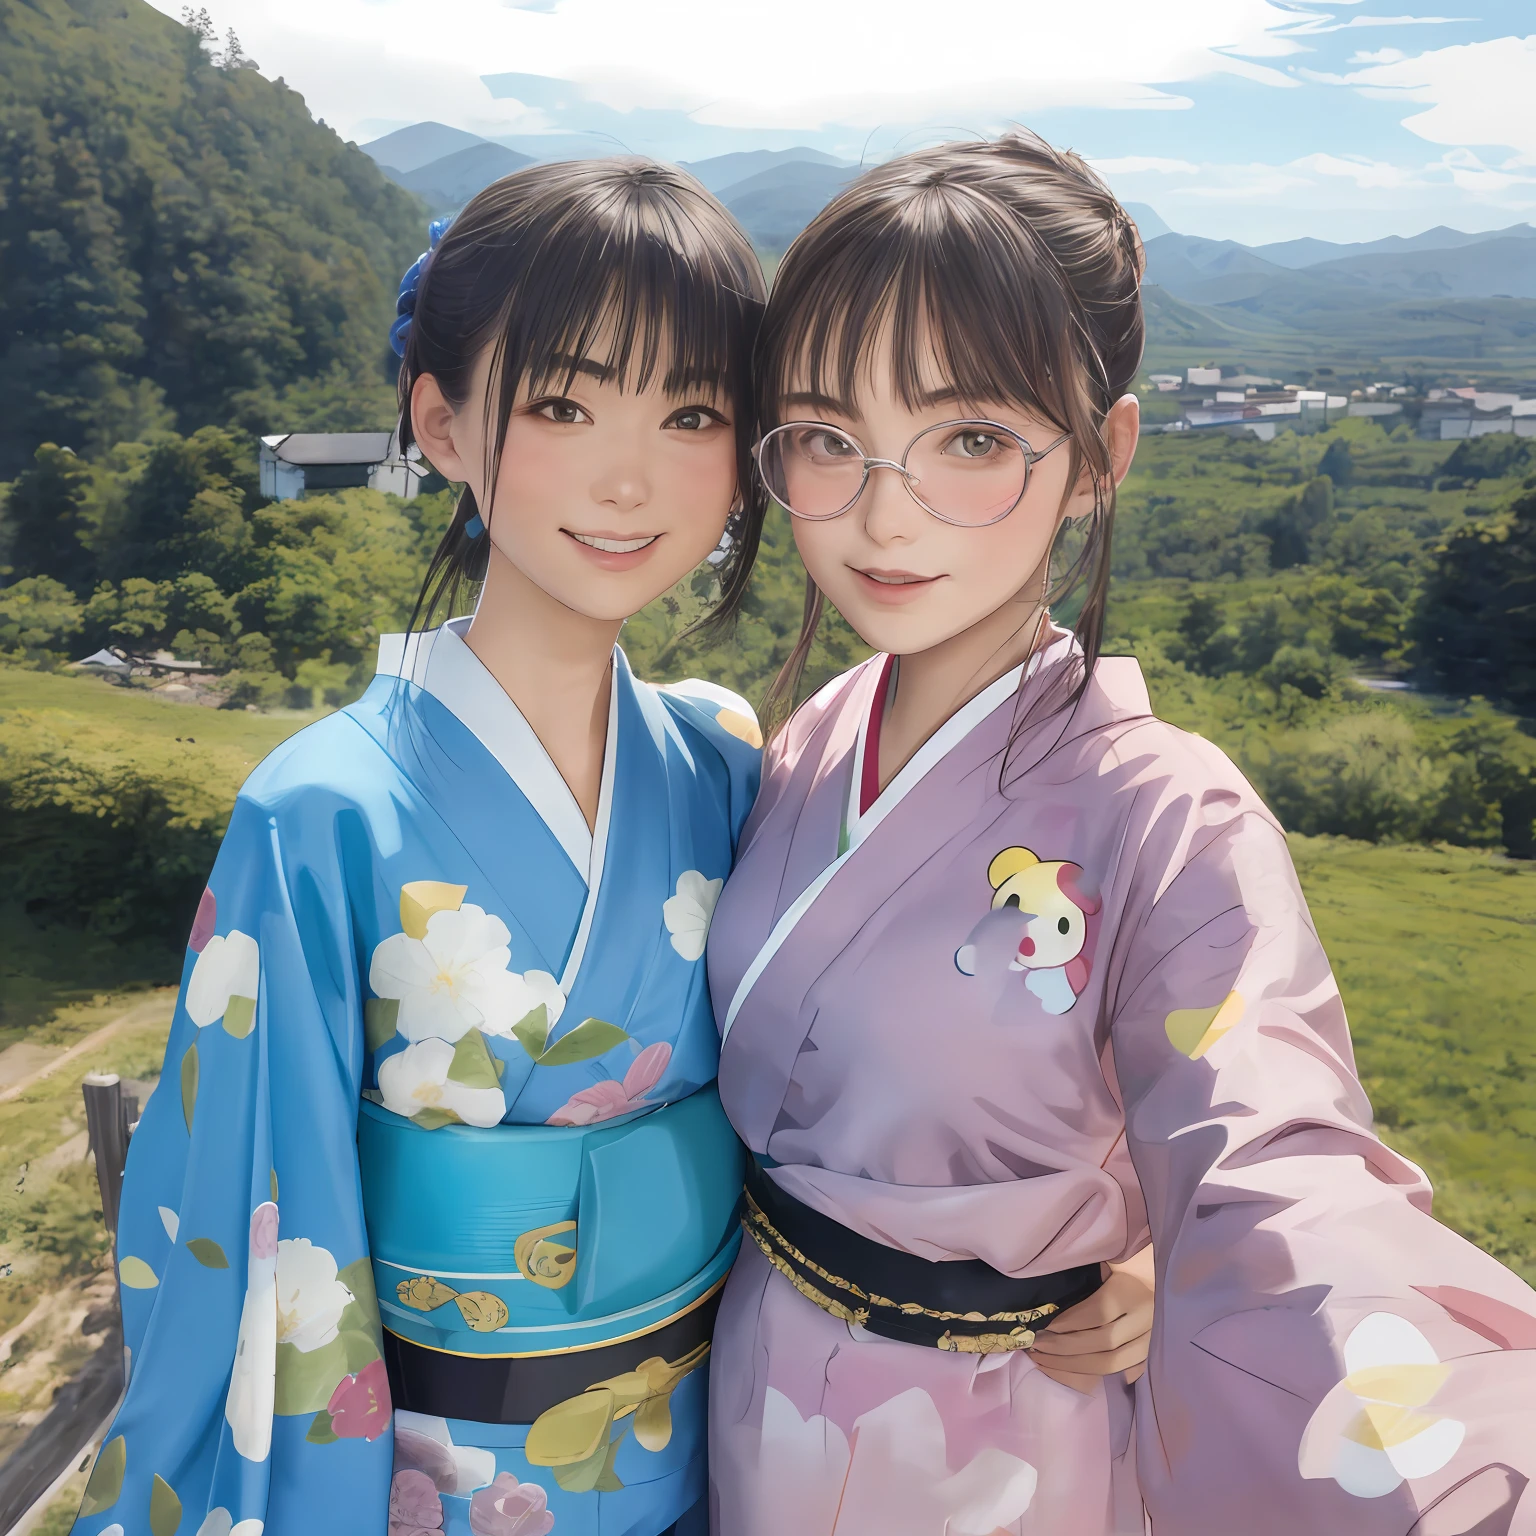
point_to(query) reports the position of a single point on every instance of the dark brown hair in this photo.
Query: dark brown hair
(537, 266)
(1014, 263)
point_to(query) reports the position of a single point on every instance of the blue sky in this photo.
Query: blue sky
(1251, 119)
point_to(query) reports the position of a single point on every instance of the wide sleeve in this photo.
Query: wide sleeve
(1326, 1356)
(257, 1399)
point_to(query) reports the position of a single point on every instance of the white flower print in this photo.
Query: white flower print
(253, 1379)
(891, 1474)
(527, 992)
(1374, 1430)
(219, 1522)
(310, 1297)
(417, 1078)
(228, 967)
(453, 980)
(687, 914)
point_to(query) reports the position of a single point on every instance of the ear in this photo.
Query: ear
(1122, 429)
(435, 423)
(1007, 864)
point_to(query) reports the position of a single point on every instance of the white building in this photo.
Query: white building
(293, 463)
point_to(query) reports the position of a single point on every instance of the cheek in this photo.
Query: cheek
(699, 479)
(537, 471)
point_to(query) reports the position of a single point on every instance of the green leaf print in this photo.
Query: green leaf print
(208, 1253)
(320, 1432)
(106, 1484)
(379, 1016)
(362, 1312)
(164, 1508)
(433, 1119)
(532, 1030)
(608, 1480)
(189, 1084)
(137, 1275)
(472, 1065)
(307, 1378)
(240, 1017)
(590, 1039)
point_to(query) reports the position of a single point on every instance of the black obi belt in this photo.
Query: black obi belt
(961, 1305)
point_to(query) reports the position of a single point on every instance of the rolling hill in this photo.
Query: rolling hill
(446, 184)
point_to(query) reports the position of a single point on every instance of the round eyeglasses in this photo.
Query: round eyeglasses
(969, 473)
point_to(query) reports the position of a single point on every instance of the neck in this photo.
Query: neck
(555, 664)
(932, 684)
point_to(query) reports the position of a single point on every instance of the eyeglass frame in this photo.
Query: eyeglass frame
(907, 476)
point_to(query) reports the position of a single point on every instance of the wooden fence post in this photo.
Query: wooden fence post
(106, 1123)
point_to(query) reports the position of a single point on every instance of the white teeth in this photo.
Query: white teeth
(615, 546)
(894, 581)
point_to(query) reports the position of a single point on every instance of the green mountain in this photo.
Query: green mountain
(180, 242)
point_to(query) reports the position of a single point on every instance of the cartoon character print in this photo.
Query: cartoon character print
(1038, 924)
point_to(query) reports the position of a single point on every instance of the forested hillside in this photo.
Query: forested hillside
(181, 244)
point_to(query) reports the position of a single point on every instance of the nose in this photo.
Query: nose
(623, 482)
(890, 514)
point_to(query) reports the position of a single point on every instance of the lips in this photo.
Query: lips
(896, 578)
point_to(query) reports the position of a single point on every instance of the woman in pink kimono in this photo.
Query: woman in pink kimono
(1014, 978)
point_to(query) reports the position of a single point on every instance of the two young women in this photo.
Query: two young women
(1009, 976)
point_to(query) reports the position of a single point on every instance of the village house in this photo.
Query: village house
(294, 463)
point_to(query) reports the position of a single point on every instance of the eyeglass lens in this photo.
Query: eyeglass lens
(967, 472)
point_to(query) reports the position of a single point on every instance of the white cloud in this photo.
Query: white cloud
(1479, 93)
(1131, 165)
(1377, 56)
(757, 64)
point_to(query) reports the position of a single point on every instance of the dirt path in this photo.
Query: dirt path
(143, 1013)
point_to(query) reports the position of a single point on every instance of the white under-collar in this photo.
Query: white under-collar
(439, 662)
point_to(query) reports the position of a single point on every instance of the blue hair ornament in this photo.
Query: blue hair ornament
(405, 305)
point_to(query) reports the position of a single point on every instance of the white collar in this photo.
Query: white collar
(439, 662)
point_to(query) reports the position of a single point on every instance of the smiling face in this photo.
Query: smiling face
(607, 493)
(904, 579)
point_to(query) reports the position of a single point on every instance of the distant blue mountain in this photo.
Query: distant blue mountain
(724, 171)
(1148, 224)
(1379, 272)
(408, 149)
(775, 205)
(1308, 252)
(449, 183)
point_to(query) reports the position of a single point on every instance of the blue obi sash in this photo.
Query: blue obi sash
(517, 1266)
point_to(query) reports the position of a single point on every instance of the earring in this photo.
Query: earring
(721, 552)
(473, 527)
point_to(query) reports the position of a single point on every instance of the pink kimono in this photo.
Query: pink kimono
(1041, 1026)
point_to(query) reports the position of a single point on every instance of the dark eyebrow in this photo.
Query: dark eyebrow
(818, 402)
(941, 396)
(562, 364)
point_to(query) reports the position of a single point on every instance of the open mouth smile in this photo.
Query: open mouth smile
(611, 546)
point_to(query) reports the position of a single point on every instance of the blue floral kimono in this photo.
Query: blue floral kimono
(424, 1227)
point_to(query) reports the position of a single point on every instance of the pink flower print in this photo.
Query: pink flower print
(264, 1231)
(360, 1406)
(416, 1452)
(602, 1101)
(509, 1508)
(414, 1507)
(645, 1071)
(204, 923)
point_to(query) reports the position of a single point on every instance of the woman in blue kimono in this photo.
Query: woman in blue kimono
(425, 1227)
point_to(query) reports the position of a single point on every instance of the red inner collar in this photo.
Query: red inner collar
(869, 784)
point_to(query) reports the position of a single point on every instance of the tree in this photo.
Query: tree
(45, 516)
(1475, 625)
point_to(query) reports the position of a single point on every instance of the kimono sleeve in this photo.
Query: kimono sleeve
(257, 1398)
(1325, 1356)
